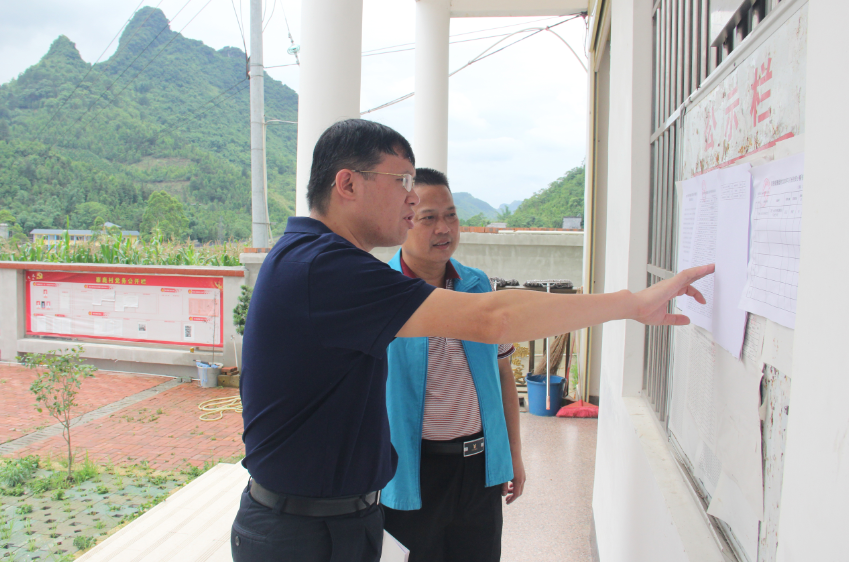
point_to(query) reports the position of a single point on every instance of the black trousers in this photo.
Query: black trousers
(460, 519)
(261, 535)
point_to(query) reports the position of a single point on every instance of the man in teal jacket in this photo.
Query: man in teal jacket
(453, 409)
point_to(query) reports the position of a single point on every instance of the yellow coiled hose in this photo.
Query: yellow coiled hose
(217, 407)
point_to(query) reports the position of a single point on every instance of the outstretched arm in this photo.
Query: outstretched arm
(509, 316)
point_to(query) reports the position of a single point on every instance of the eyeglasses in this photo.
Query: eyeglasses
(408, 178)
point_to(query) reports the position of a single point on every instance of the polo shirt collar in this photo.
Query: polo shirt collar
(450, 271)
(307, 225)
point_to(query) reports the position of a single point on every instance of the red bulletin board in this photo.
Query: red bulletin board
(166, 309)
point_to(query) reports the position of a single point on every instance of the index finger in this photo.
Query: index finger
(693, 274)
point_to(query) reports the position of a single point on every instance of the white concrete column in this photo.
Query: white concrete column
(431, 100)
(331, 45)
(815, 490)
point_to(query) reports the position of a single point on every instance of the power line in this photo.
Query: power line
(273, 5)
(281, 65)
(91, 68)
(177, 34)
(90, 107)
(485, 54)
(241, 27)
(469, 32)
(293, 49)
(198, 115)
(450, 43)
(179, 117)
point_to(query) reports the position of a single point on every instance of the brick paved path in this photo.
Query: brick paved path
(164, 430)
(19, 417)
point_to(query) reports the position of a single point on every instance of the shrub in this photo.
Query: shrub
(23, 509)
(15, 472)
(84, 543)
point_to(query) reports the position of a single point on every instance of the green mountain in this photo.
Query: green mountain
(468, 206)
(163, 113)
(564, 197)
(512, 206)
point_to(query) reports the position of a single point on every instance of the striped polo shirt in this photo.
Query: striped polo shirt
(451, 402)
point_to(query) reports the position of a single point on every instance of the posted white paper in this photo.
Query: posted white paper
(64, 300)
(700, 385)
(754, 341)
(773, 273)
(680, 371)
(131, 301)
(715, 229)
(727, 504)
(699, 198)
(63, 325)
(393, 551)
(708, 467)
(738, 431)
(732, 255)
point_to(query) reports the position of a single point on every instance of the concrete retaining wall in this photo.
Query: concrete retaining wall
(518, 255)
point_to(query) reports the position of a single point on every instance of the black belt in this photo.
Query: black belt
(312, 507)
(466, 446)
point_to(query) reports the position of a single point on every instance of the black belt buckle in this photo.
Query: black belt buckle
(473, 447)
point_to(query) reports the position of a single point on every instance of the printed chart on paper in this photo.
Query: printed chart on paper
(776, 226)
(168, 309)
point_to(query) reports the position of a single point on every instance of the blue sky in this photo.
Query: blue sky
(517, 119)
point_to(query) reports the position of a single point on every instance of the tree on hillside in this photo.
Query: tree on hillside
(478, 220)
(164, 212)
(16, 234)
(504, 214)
(564, 197)
(87, 214)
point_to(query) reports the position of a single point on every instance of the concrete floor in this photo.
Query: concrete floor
(551, 520)
(549, 523)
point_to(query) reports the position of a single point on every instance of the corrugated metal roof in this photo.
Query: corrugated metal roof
(76, 232)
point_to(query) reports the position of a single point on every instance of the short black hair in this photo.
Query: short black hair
(429, 176)
(353, 144)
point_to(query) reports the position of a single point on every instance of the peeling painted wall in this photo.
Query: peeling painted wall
(760, 102)
(777, 408)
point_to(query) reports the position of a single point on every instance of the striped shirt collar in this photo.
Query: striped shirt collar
(450, 271)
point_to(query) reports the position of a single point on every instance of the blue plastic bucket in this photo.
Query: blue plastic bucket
(536, 394)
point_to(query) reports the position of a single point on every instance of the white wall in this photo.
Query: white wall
(815, 492)
(641, 505)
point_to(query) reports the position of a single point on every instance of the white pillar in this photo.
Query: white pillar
(431, 102)
(331, 45)
(259, 206)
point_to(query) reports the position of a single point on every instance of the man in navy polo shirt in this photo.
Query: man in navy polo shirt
(314, 357)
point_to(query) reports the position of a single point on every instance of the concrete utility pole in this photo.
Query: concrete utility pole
(259, 205)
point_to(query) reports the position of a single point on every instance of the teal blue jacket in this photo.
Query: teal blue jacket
(405, 398)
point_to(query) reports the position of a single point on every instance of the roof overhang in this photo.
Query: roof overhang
(499, 8)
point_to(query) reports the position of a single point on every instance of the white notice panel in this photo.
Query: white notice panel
(776, 239)
(129, 307)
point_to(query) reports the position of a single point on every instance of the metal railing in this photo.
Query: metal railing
(683, 58)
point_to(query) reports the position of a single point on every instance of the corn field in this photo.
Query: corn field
(114, 248)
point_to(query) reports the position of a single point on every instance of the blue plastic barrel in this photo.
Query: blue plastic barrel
(536, 394)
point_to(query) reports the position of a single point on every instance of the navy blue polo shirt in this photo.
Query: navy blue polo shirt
(313, 382)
